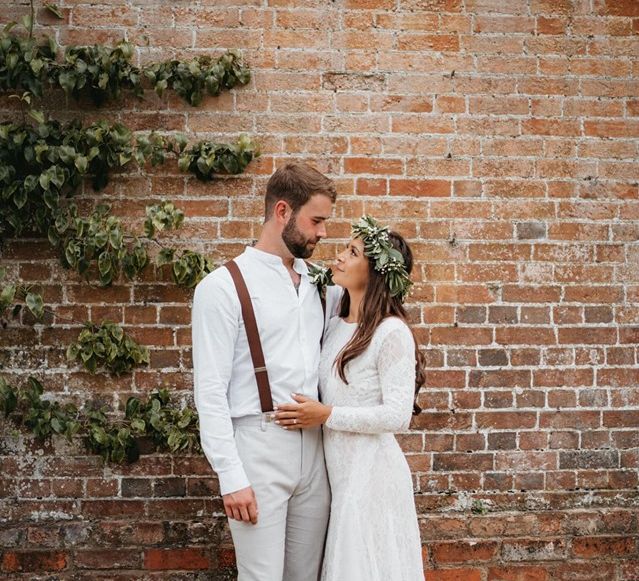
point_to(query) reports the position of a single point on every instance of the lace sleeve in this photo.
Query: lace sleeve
(395, 360)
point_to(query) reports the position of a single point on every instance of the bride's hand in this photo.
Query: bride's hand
(306, 413)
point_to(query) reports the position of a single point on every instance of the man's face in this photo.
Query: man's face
(308, 226)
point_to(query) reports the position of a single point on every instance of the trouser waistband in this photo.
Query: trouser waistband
(260, 420)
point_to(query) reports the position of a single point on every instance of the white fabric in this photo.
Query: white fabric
(290, 324)
(293, 500)
(373, 533)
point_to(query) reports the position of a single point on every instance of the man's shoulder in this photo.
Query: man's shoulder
(218, 280)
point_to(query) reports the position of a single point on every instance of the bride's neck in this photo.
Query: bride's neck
(354, 308)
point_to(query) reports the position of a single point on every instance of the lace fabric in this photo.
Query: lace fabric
(373, 532)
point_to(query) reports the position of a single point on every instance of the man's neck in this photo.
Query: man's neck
(277, 248)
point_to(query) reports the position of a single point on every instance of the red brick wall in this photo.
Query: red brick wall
(501, 138)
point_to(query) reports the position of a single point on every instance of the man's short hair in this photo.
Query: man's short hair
(296, 183)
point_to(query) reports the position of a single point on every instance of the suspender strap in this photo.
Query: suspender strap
(253, 336)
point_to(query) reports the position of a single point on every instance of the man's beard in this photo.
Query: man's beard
(297, 245)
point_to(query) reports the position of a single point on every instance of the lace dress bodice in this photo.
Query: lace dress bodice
(380, 391)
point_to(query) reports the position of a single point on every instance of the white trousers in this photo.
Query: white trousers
(288, 475)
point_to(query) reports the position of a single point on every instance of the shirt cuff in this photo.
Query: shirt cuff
(233, 480)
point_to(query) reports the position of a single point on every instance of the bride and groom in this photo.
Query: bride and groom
(259, 376)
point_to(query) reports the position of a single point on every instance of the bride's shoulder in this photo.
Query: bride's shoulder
(392, 323)
(394, 326)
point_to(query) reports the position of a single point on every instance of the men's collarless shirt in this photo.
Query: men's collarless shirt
(290, 324)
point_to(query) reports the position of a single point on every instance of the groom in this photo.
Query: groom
(273, 481)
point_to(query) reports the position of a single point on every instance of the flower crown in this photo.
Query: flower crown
(388, 261)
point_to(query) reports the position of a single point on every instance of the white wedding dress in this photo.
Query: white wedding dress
(373, 533)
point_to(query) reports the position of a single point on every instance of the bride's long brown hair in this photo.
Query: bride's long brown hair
(377, 305)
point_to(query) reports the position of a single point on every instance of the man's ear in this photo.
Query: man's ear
(282, 211)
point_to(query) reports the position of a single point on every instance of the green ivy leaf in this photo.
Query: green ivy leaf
(35, 304)
(20, 198)
(57, 425)
(66, 79)
(81, 163)
(37, 116)
(132, 406)
(104, 263)
(7, 295)
(53, 9)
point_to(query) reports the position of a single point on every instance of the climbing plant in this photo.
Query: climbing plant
(14, 296)
(44, 163)
(102, 73)
(166, 426)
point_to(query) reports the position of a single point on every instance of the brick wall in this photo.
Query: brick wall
(500, 136)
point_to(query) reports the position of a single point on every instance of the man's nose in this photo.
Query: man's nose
(321, 231)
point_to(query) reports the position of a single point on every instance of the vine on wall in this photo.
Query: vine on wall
(102, 73)
(154, 420)
(44, 163)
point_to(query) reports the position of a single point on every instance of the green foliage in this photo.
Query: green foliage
(205, 159)
(478, 507)
(169, 427)
(99, 71)
(321, 277)
(54, 9)
(115, 442)
(188, 268)
(100, 240)
(8, 398)
(12, 295)
(387, 260)
(107, 346)
(115, 439)
(24, 62)
(164, 216)
(154, 147)
(42, 164)
(191, 79)
(103, 73)
(42, 417)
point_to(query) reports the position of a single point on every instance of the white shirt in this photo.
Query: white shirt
(290, 325)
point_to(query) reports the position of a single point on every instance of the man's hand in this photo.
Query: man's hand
(241, 505)
(306, 413)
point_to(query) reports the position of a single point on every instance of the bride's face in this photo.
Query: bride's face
(351, 267)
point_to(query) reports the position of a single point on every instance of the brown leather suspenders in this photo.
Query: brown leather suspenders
(253, 336)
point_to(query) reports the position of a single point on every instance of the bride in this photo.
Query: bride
(370, 366)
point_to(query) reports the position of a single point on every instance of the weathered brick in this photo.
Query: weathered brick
(500, 138)
(186, 559)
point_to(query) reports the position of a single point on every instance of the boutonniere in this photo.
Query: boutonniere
(321, 277)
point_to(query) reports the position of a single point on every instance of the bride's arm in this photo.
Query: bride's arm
(395, 360)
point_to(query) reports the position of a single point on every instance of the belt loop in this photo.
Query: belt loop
(263, 422)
